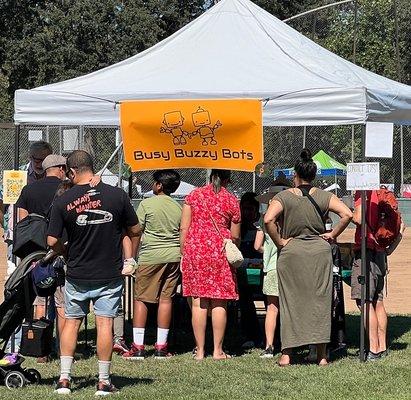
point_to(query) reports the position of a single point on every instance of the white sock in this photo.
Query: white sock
(138, 336)
(66, 363)
(162, 335)
(104, 370)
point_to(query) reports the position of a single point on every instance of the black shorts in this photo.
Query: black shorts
(377, 265)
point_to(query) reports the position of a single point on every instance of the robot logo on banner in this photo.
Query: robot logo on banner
(192, 134)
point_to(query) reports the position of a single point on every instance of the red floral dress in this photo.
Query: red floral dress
(206, 272)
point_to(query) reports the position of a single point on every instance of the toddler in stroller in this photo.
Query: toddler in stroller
(19, 295)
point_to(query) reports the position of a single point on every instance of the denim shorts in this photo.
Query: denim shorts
(106, 298)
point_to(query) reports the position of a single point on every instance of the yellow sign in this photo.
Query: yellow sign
(224, 134)
(13, 183)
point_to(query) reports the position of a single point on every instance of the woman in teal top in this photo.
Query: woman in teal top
(264, 244)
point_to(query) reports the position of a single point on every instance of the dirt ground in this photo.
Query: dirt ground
(399, 278)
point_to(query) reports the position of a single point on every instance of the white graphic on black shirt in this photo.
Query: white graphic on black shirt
(105, 217)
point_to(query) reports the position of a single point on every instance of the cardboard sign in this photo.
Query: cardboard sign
(13, 183)
(379, 139)
(363, 176)
(225, 134)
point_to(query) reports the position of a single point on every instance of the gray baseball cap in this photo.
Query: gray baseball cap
(53, 160)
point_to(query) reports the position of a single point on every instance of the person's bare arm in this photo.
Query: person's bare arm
(184, 225)
(345, 214)
(259, 241)
(56, 245)
(134, 232)
(1, 213)
(22, 213)
(274, 211)
(235, 230)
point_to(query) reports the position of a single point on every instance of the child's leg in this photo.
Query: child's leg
(271, 319)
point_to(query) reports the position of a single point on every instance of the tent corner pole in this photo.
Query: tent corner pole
(402, 159)
(16, 146)
(364, 273)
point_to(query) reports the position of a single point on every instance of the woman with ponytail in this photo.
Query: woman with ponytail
(210, 215)
(304, 264)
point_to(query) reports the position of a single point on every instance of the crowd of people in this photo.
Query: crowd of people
(164, 244)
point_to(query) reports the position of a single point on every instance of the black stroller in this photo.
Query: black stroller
(19, 295)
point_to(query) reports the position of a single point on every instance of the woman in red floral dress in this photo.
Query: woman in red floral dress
(207, 276)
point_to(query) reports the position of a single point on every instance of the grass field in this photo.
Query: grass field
(246, 376)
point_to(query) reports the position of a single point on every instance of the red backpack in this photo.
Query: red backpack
(389, 220)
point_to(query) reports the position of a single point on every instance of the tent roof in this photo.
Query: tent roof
(234, 50)
(325, 161)
(326, 166)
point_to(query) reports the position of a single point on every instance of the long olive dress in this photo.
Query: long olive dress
(304, 269)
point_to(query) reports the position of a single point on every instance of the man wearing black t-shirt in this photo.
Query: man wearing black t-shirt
(95, 220)
(37, 198)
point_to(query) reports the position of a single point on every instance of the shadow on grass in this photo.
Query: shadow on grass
(83, 382)
(398, 326)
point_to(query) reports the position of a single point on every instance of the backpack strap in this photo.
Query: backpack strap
(306, 193)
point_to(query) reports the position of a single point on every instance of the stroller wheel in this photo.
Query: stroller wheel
(33, 376)
(14, 380)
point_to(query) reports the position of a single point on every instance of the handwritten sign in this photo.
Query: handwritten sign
(13, 183)
(363, 176)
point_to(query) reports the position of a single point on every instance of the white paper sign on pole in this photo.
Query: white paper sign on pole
(70, 139)
(35, 135)
(379, 138)
(363, 176)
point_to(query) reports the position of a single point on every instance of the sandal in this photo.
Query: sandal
(224, 355)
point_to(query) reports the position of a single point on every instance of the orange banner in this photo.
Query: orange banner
(160, 134)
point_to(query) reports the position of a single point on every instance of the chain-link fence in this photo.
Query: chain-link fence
(282, 146)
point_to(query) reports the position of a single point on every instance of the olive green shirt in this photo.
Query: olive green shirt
(160, 218)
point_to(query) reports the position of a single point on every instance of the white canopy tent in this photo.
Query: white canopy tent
(234, 50)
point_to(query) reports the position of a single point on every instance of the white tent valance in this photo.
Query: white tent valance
(234, 50)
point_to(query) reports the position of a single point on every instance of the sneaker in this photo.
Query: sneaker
(384, 353)
(105, 388)
(161, 351)
(120, 347)
(63, 387)
(373, 356)
(268, 352)
(135, 353)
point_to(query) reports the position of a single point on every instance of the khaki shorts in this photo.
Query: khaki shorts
(58, 298)
(377, 266)
(270, 283)
(156, 281)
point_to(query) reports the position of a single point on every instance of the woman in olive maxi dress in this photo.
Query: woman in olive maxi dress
(304, 263)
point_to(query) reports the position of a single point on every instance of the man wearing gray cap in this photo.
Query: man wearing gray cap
(37, 198)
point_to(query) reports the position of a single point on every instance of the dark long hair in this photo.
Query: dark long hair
(305, 167)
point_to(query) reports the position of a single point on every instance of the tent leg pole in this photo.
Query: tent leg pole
(304, 136)
(402, 158)
(364, 270)
(111, 158)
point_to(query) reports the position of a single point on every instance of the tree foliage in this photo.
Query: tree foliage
(46, 41)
